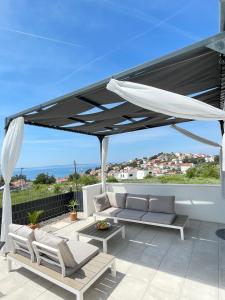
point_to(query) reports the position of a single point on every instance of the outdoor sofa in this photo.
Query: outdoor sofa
(70, 264)
(144, 209)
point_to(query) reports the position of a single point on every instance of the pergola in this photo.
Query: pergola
(196, 71)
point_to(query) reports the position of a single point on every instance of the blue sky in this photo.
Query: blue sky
(51, 47)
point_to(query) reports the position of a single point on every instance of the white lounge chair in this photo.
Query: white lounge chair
(52, 262)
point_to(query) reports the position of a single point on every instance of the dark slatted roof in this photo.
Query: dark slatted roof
(194, 71)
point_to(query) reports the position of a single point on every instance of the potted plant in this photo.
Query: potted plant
(33, 218)
(72, 206)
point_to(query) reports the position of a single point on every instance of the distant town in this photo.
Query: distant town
(160, 164)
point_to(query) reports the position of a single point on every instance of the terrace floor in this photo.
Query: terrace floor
(152, 263)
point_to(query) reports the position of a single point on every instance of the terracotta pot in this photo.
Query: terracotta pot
(73, 215)
(34, 226)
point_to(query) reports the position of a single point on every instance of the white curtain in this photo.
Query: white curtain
(167, 103)
(10, 153)
(195, 136)
(207, 142)
(104, 154)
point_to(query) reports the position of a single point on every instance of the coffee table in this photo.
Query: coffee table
(90, 231)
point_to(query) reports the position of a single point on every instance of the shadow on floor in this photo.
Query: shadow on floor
(101, 289)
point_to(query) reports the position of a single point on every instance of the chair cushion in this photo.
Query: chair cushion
(131, 214)
(82, 252)
(117, 199)
(23, 231)
(161, 218)
(109, 212)
(164, 204)
(138, 202)
(56, 242)
(101, 202)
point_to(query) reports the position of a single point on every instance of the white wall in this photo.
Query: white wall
(202, 202)
(89, 192)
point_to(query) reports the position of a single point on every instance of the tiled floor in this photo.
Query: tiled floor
(152, 264)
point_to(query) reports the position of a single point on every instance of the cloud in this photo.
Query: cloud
(133, 12)
(63, 142)
(39, 36)
(157, 23)
(139, 136)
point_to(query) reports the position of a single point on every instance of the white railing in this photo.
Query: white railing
(89, 192)
(198, 201)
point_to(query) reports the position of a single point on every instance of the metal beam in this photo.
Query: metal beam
(222, 15)
(59, 128)
(169, 122)
(77, 120)
(93, 103)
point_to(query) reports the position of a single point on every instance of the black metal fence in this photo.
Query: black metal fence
(52, 206)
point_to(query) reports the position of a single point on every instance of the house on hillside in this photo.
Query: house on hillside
(185, 166)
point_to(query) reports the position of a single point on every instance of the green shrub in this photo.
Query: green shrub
(204, 171)
(88, 180)
(73, 204)
(34, 216)
(149, 176)
(57, 188)
(112, 179)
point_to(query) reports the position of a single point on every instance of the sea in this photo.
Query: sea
(58, 171)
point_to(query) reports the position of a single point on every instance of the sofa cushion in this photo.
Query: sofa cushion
(117, 199)
(56, 242)
(109, 212)
(131, 214)
(101, 202)
(164, 204)
(138, 202)
(161, 218)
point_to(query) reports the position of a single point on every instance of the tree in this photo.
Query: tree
(216, 159)
(1, 180)
(43, 178)
(88, 171)
(74, 176)
(206, 170)
(193, 160)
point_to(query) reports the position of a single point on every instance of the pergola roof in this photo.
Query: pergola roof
(194, 71)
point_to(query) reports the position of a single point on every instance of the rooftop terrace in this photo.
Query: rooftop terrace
(152, 263)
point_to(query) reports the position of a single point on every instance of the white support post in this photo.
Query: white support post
(123, 232)
(113, 268)
(80, 296)
(182, 234)
(9, 265)
(103, 157)
(105, 246)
